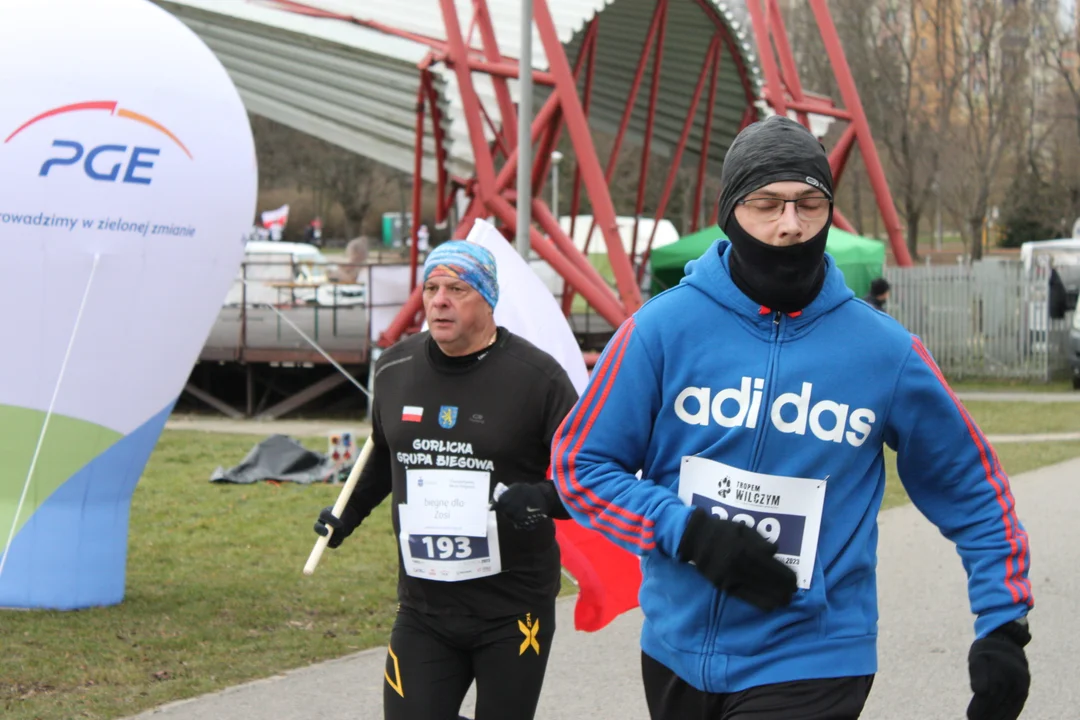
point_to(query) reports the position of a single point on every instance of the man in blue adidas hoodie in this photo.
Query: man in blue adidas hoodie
(732, 435)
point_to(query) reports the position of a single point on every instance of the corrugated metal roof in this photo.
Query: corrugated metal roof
(356, 87)
(348, 85)
(622, 29)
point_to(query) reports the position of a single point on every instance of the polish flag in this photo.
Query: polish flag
(607, 576)
(278, 217)
(412, 413)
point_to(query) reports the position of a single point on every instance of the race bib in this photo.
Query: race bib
(448, 502)
(784, 510)
(447, 557)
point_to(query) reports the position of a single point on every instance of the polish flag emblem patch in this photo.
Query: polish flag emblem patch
(412, 413)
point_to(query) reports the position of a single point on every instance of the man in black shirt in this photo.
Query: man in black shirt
(462, 422)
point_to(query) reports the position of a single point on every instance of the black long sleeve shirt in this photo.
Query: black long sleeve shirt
(496, 410)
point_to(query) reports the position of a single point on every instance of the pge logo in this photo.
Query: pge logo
(110, 162)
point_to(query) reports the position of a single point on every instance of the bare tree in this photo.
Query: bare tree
(1058, 43)
(354, 182)
(333, 175)
(337, 176)
(275, 151)
(902, 55)
(992, 49)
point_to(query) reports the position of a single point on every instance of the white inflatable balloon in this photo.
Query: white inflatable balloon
(129, 179)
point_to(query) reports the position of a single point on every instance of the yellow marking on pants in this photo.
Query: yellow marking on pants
(529, 629)
(397, 673)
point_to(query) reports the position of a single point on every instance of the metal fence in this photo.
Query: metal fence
(988, 319)
(273, 301)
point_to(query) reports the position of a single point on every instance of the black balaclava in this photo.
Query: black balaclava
(775, 150)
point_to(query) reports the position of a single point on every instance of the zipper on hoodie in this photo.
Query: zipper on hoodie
(766, 395)
(759, 441)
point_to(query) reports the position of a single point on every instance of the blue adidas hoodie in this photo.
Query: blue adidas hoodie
(882, 388)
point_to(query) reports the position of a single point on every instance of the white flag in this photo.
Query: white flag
(279, 217)
(526, 306)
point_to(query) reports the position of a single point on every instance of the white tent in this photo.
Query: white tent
(665, 233)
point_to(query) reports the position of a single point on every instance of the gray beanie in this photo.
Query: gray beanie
(776, 149)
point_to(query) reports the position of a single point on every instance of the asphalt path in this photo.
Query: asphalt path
(925, 630)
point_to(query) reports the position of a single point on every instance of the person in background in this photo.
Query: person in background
(423, 237)
(879, 294)
(348, 272)
(1058, 297)
(313, 232)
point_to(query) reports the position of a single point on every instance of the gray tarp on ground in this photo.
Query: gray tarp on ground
(279, 457)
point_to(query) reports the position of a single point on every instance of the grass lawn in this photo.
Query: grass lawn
(1025, 417)
(1026, 386)
(949, 241)
(215, 594)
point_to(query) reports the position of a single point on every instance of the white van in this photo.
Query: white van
(1074, 347)
(1065, 253)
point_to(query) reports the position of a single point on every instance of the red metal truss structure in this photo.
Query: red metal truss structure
(471, 48)
(783, 92)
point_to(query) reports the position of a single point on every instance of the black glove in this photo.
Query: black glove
(343, 526)
(526, 504)
(999, 673)
(738, 560)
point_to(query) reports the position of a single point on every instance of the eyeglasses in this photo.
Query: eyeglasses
(767, 209)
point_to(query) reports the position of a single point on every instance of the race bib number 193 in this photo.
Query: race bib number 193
(447, 558)
(430, 547)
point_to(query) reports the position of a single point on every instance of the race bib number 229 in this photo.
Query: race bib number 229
(784, 510)
(785, 530)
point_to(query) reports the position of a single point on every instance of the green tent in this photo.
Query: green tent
(860, 259)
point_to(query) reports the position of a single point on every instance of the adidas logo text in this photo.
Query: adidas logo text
(741, 407)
